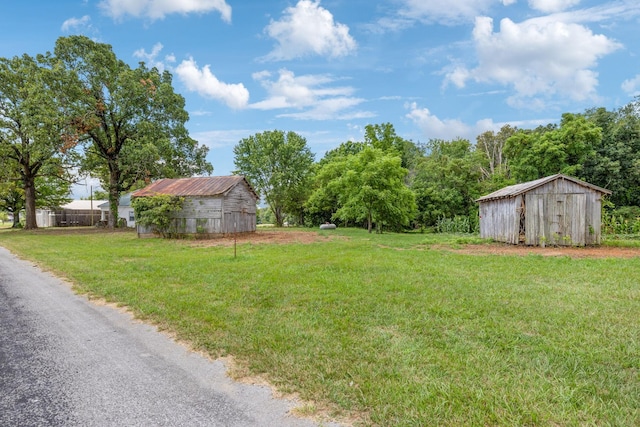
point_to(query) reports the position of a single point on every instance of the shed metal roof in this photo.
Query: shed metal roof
(125, 200)
(82, 205)
(517, 189)
(201, 186)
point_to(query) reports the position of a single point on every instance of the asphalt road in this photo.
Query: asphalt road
(67, 362)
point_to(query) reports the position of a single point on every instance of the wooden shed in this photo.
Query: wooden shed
(556, 210)
(213, 206)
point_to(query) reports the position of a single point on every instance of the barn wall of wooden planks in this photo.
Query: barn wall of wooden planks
(556, 210)
(213, 206)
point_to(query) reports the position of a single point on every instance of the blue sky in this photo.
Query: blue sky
(327, 68)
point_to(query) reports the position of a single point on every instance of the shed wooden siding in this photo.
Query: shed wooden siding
(563, 213)
(239, 212)
(233, 211)
(556, 210)
(497, 220)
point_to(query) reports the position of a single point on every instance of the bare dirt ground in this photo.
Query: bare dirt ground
(572, 252)
(292, 236)
(267, 237)
(284, 236)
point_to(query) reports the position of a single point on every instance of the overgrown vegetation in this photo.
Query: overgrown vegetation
(458, 224)
(624, 220)
(156, 212)
(387, 328)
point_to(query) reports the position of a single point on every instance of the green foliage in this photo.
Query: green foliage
(366, 187)
(130, 121)
(34, 156)
(624, 220)
(157, 212)
(617, 164)
(265, 216)
(458, 224)
(447, 181)
(490, 152)
(279, 167)
(540, 153)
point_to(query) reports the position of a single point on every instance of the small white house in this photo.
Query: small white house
(125, 210)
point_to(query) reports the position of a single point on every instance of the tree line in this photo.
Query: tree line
(388, 182)
(80, 110)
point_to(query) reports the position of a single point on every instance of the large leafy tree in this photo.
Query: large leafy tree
(130, 121)
(447, 181)
(490, 151)
(617, 164)
(279, 166)
(11, 192)
(31, 123)
(539, 153)
(367, 187)
(384, 137)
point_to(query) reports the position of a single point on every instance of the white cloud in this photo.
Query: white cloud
(632, 86)
(539, 57)
(312, 94)
(150, 59)
(206, 84)
(221, 138)
(449, 129)
(436, 128)
(308, 29)
(550, 6)
(75, 24)
(158, 9)
(444, 11)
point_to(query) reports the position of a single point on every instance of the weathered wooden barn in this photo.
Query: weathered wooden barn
(556, 210)
(214, 206)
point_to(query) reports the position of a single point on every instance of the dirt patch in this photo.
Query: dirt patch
(267, 237)
(572, 252)
(288, 236)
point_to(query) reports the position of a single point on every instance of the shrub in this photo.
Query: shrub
(156, 211)
(457, 224)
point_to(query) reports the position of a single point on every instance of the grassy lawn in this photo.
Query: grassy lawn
(386, 329)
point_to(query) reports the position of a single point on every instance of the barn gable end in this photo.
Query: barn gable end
(556, 210)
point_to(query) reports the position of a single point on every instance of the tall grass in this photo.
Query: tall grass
(383, 328)
(457, 224)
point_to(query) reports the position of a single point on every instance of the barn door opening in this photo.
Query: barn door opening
(522, 224)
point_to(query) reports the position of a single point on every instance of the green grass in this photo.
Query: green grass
(388, 328)
(622, 240)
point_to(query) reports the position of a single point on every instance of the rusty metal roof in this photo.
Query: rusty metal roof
(515, 190)
(201, 186)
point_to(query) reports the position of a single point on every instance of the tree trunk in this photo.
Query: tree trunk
(277, 213)
(369, 222)
(114, 194)
(30, 203)
(16, 219)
